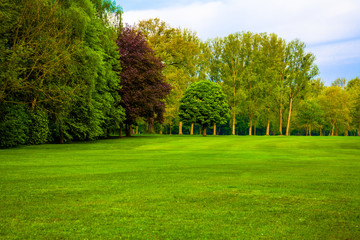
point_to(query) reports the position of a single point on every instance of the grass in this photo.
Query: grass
(183, 187)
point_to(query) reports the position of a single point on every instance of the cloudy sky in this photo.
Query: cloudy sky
(330, 28)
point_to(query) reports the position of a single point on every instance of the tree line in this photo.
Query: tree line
(70, 71)
(271, 85)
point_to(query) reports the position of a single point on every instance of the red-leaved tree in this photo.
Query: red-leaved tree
(143, 85)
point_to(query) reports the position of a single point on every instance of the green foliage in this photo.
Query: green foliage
(336, 105)
(310, 114)
(13, 125)
(204, 103)
(60, 57)
(38, 127)
(183, 54)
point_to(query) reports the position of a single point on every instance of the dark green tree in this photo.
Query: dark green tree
(204, 103)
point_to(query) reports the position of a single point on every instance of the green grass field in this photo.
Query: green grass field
(183, 187)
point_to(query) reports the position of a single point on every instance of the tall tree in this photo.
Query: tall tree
(299, 71)
(270, 67)
(233, 62)
(182, 53)
(143, 88)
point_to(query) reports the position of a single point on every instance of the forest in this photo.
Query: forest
(70, 70)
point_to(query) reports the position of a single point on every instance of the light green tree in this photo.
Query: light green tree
(270, 68)
(299, 71)
(336, 104)
(183, 54)
(353, 88)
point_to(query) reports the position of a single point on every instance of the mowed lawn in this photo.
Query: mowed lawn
(183, 187)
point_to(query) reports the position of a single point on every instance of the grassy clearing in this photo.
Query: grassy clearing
(183, 187)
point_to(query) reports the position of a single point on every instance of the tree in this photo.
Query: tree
(339, 82)
(299, 71)
(353, 88)
(310, 115)
(143, 88)
(270, 67)
(204, 103)
(336, 105)
(59, 60)
(182, 53)
(232, 66)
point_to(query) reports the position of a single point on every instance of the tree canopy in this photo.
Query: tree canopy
(143, 88)
(204, 103)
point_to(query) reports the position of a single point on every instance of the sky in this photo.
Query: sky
(329, 28)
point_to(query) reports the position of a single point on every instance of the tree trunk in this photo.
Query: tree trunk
(192, 129)
(214, 133)
(309, 130)
(268, 128)
(61, 136)
(128, 130)
(180, 128)
(137, 130)
(333, 129)
(281, 117)
(161, 129)
(233, 125)
(204, 131)
(320, 132)
(170, 128)
(289, 118)
(151, 126)
(347, 130)
(121, 131)
(250, 126)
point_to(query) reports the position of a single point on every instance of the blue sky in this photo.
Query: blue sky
(330, 28)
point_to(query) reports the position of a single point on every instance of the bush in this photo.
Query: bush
(38, 127)
(14, 124)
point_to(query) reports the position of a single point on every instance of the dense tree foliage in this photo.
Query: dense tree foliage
(58, 71)
(144, 88)
(204, 103)
(183, 54)
(70, 71)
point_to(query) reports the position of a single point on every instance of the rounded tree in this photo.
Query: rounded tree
(204, 103)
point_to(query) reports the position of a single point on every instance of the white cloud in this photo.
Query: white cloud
(312, 21)
(324, 25)
(347, 52)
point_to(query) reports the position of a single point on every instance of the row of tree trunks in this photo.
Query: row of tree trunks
(130, 131)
